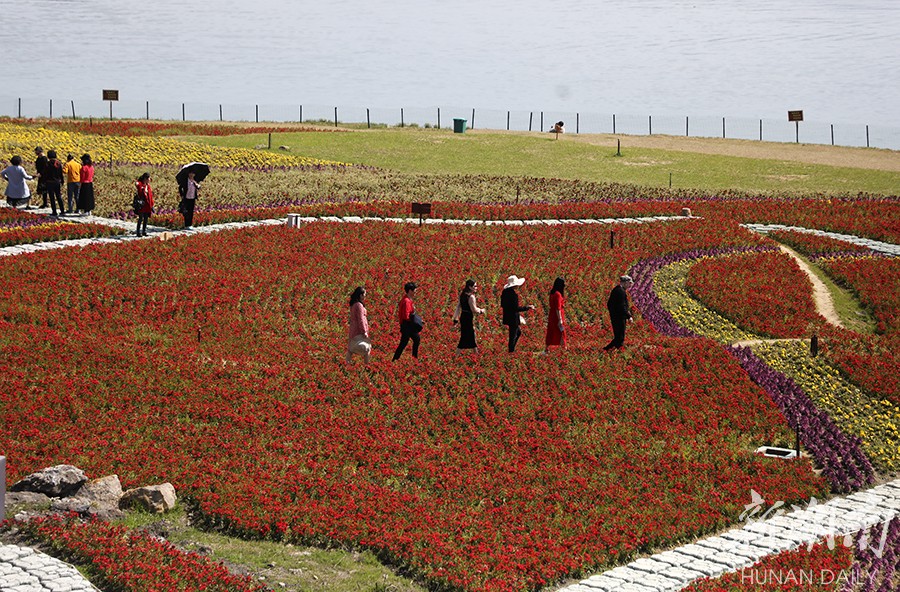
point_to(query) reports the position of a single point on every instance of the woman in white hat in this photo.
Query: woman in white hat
(509, 302)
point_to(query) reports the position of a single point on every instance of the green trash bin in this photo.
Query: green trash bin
(459, 126)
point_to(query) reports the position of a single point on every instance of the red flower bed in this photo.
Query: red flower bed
(103, 127)
(131, 562)
(814, 245)
(870, 361)
(876, 282)
(765, 293)
(18, 227)
(216, 362)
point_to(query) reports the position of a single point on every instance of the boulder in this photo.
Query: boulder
(28, 499)
(102, 492)
(154, 498)
(58, 481)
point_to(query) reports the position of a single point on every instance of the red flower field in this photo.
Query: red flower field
(216, 362)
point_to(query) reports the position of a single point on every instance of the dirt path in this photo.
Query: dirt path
(821, 294)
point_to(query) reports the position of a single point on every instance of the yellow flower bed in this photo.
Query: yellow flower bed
(876, 421)
(21, 140)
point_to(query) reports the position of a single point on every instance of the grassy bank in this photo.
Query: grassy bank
(593, 158)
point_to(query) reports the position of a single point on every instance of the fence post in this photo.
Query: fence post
(51, 108)
(723, 128)
(73, 109)
(270, 140)
(507, 121)
(183, 118)
(110, 111)
(402, 123)
(577, 122)
(867, 136)
(148, 110)
(530, 117)
(760, 130)
(368, 119)
(301, 113)
(220, 112)
(686, 128)
(257, 114)
(614, 123)
(439, 118)
(473, 119)
(832, 134)
(20, 108)
(2, 488)
(650, 123)
(335, 116)
(542, 121)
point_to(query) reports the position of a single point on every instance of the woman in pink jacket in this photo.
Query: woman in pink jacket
(144, 203)
(358, 336)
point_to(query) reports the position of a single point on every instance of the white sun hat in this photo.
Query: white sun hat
(513, 281)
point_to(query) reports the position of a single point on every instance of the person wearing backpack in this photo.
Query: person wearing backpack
(143, 202)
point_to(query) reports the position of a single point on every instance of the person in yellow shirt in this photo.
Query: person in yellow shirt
(72, 173)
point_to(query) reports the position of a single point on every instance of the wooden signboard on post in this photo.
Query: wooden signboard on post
(110, 95)
(421, 209)
(796, 117)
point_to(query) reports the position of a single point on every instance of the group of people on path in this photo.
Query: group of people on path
(411, 324)
(51, 174)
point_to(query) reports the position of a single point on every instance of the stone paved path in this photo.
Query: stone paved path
(26, 570)
(742, 547)
(877, 246)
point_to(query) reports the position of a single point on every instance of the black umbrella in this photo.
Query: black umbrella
(200, 170)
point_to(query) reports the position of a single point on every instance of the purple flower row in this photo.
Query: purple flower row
(29, 222)
(877, 561)
(841, 456)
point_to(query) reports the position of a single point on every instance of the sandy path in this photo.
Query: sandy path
(821, 294)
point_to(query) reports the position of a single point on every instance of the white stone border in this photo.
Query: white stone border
(26, 570)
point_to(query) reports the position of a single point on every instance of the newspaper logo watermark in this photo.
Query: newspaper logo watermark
(755, 512)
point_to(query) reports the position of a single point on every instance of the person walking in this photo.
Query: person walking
(358, 337)
(556, 320)
(52, 177)
(409, 331)
(189, 199)
(619, 312)
(86, 191)
(466, 309)
(17, 192)
(143, 203)
(509, 302)
(72, 173)
(39, 164)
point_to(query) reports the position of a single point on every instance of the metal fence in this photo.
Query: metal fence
(589, 122)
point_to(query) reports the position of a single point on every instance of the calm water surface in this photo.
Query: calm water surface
(837, 60)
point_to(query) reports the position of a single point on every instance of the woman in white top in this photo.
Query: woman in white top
(17, 192)
(190, 198)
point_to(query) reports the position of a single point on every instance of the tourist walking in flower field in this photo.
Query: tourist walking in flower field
(619, 312)
(410, 322)
(17, 192)
(72, 173)
(52, 176)
(556, 327)
(466, 309)
(86, 191)
(39, 164)
(143, 203)
(509, 302)
(189, 194)
(358, 336)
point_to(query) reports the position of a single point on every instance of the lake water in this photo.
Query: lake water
(836, 60)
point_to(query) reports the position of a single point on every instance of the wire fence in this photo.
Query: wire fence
(744, 128)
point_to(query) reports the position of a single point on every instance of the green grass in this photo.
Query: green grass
(298, 568)
(441, 151)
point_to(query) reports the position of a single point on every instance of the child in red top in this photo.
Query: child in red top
(144, 200)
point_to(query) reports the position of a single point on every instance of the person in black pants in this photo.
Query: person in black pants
(509, 302)
(52, 177)
(39, 165)
(408, 329)
(619, 313)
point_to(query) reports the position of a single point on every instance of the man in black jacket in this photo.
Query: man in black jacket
(509, 302)
(39, 165)
(619, 313)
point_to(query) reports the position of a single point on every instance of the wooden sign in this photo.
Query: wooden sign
(421, 208)
(110, 95)
(795, 115)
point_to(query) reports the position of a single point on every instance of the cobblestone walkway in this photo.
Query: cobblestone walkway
(26, 570)
(877, 246)
(742, 547)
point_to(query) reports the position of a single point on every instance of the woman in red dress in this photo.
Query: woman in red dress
(144, 202)
(556, 327)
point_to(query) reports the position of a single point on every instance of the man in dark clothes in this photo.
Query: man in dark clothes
(39, 165)
(619, 312)
(509, 302)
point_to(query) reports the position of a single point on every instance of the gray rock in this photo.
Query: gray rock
(102, 492)
(58, 481)
(27, 499)
(155, 498)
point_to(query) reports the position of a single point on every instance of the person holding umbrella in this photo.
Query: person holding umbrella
(189, 178)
